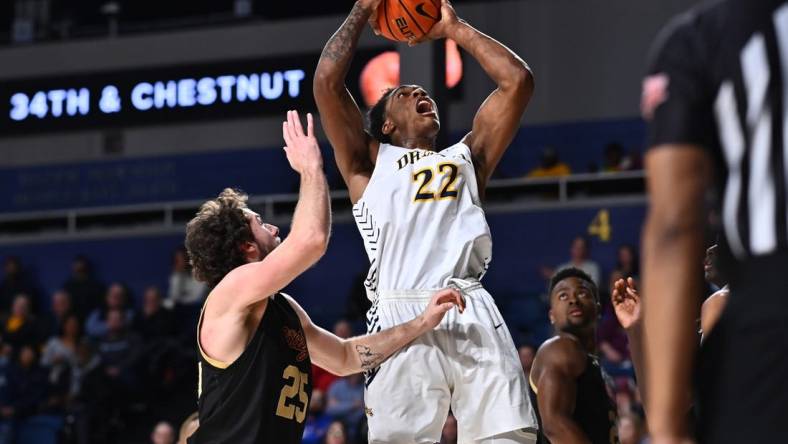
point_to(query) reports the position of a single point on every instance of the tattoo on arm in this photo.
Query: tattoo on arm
(369, 359)
(341, 44)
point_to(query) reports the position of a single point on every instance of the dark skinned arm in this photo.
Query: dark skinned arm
(672, 251)
(498, 118)
(341, 118)
(556, 367)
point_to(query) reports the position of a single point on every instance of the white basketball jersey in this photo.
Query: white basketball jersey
(421, 220)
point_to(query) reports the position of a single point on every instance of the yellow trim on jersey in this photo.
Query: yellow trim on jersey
(533, 386)
(214, 362)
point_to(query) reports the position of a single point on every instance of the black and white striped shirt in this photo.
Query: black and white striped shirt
(718, 78)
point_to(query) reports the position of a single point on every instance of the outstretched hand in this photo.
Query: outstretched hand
(440, 303)
(302, 150)
(626, 302)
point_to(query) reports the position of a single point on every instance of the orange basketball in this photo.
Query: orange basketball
(402, 20)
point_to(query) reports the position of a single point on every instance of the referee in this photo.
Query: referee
(715, 99)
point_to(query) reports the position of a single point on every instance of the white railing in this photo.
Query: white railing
(502, 195)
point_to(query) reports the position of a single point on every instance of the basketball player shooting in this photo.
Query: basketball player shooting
(419, 212)
(255, 342)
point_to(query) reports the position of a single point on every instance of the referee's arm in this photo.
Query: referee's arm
(677, 103)
(672, 254)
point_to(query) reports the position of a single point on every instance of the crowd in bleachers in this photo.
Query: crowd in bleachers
(616, 159)
(88, 363)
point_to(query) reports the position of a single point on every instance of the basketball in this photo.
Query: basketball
(403, 20)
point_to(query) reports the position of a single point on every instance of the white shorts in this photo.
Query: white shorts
(468, 363)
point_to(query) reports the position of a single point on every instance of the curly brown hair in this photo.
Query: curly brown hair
(214, 235)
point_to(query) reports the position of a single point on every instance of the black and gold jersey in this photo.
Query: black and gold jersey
(594, 412)
(263, 396)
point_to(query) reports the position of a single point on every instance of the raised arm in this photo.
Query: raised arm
(498, 118)
(628, 308)
(342, 120)
(556, 367)
(309, 233)
(672, 286)
(347, 356)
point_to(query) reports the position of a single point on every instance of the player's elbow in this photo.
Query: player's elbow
(316, 243)
(326, 81)
(520, 79)
(311, 244)
(556, 428)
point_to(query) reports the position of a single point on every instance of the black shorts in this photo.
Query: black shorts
(743, 363)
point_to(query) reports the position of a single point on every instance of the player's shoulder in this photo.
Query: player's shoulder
(562, 353)
(715, 302)
(460, 149)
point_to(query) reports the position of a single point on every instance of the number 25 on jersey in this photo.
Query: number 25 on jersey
(287, 408)
(448, 172)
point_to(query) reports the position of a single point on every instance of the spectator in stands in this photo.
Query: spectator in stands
(162, 354)
(322, 379)
(28, 385)
(527, 353)
(630, 429)
(337, 433)
(317, 422)
(550, 165)
(579, 258)
(184, 289)
(346, 400)
(60, 309)
(119, 350)
(163, 433)
(15, 282)
(60, 355)
(343, 329)
(627, 262)
(20, 327)
(117, 298)
(615, 160)
(155, 321)
(88, 411)
(449, 434)
(185, 294)
(85, 290)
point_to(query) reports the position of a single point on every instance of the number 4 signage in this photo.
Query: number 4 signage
(600, 226)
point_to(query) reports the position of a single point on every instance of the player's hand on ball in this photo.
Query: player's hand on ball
(626, 302)
(441, 29)
(302, 150)
(440, 303)
(372, 5)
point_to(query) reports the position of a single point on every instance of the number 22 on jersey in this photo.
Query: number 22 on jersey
(448, 172)
(296, 380)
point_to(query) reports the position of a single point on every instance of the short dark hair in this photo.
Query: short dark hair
(377, 116)
(214, 235)
(576, 273)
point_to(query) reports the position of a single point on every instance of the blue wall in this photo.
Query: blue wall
(265, 171)
(522, 243)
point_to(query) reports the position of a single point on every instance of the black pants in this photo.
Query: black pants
(743, 363)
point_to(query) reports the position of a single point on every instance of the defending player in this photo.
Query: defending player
(419, 212)
(566, 383)
(255, 342)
